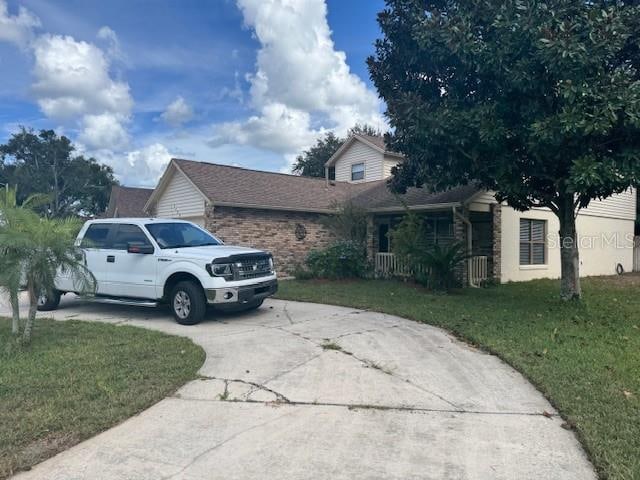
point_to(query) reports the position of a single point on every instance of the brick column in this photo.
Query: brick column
(209, 218)
(371, 239)
(460, 235)
(496, 223)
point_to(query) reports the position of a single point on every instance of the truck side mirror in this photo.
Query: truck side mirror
(141, 249)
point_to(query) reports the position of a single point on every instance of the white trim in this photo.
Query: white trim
(543, 266)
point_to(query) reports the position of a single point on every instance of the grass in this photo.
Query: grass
(80, 378)
(585, 357)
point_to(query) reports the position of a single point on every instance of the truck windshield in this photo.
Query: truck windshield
(180, 235)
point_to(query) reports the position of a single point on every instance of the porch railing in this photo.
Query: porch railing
(478, 270)
(388, 265)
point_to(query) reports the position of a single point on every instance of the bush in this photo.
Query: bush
(434, 265)
(343, 259)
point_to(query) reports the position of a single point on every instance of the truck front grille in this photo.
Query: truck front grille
(252, 266)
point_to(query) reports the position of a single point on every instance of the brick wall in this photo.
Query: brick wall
(271, 230)
(496, 210)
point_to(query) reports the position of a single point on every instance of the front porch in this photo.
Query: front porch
(477, 230)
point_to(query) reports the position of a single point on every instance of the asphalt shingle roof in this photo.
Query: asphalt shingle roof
(224, 184)
(128, 201)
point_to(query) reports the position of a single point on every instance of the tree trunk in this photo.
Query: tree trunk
(569, 256)
(15, 309)
(33, 308)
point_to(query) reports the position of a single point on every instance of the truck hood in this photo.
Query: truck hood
(207, 253)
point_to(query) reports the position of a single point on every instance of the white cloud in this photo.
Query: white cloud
(18, 28)
(72, 79)
(113, 44)
(277, 128)
(145, 166)
(177, 113)
(104, 131)
(299, 76)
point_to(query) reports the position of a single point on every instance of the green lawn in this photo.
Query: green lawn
(79, 378)
(584, 357)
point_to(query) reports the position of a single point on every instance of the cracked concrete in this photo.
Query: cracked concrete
(396, 400)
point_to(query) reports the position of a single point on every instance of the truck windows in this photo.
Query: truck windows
(127, 234)
(96, 236)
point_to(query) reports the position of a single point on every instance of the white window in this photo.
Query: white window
(533, 248)
(357, 171)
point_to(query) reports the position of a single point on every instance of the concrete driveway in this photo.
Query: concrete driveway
(302, 391)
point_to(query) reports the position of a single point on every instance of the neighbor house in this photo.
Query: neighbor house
(284, 214)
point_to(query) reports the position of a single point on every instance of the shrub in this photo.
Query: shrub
(434, 265)
(343, 259)
(348, 223)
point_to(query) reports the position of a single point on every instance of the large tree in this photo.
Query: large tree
(44, 162)
(310, 163)
(536, 100)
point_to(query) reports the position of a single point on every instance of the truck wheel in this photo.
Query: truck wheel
(49, 301)
(187, 303)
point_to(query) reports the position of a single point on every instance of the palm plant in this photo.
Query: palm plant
(433, 264)
(37, 249)
(13, 217)
(440, 263)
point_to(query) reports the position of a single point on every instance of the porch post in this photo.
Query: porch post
(496, 225)
(371, 239)
(460, 235)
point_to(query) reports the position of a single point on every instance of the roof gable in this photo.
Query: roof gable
(374, 142)
(172, 169)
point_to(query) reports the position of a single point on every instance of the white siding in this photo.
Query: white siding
(622, 206)
(180, 199)
(603, 243)
(389, 163)
(358, 152)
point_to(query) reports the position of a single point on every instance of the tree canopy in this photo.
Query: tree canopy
(44, 163)
(311, 162)
(536, 100)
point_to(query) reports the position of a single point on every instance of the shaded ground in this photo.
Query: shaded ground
(585, 357)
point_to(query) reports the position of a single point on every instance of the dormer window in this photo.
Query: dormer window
(357, 172)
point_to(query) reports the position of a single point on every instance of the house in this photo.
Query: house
(284, 214)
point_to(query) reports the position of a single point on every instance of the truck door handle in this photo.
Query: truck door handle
(111, 259)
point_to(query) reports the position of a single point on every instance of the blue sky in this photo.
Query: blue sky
(245, 82)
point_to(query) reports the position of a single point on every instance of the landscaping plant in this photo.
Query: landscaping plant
(35, 249)
(432, 265)
(343, 259)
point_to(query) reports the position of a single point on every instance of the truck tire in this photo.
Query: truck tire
(49, 301)
(188, 303)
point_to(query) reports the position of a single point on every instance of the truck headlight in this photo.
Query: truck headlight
(223, 270)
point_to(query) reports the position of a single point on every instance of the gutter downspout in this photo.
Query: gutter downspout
(466, 221)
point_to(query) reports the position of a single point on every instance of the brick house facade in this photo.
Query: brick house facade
(289, 236)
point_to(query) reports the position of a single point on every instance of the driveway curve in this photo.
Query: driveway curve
(306, 391)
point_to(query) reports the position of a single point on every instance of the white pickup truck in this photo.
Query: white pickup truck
(153, 261)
